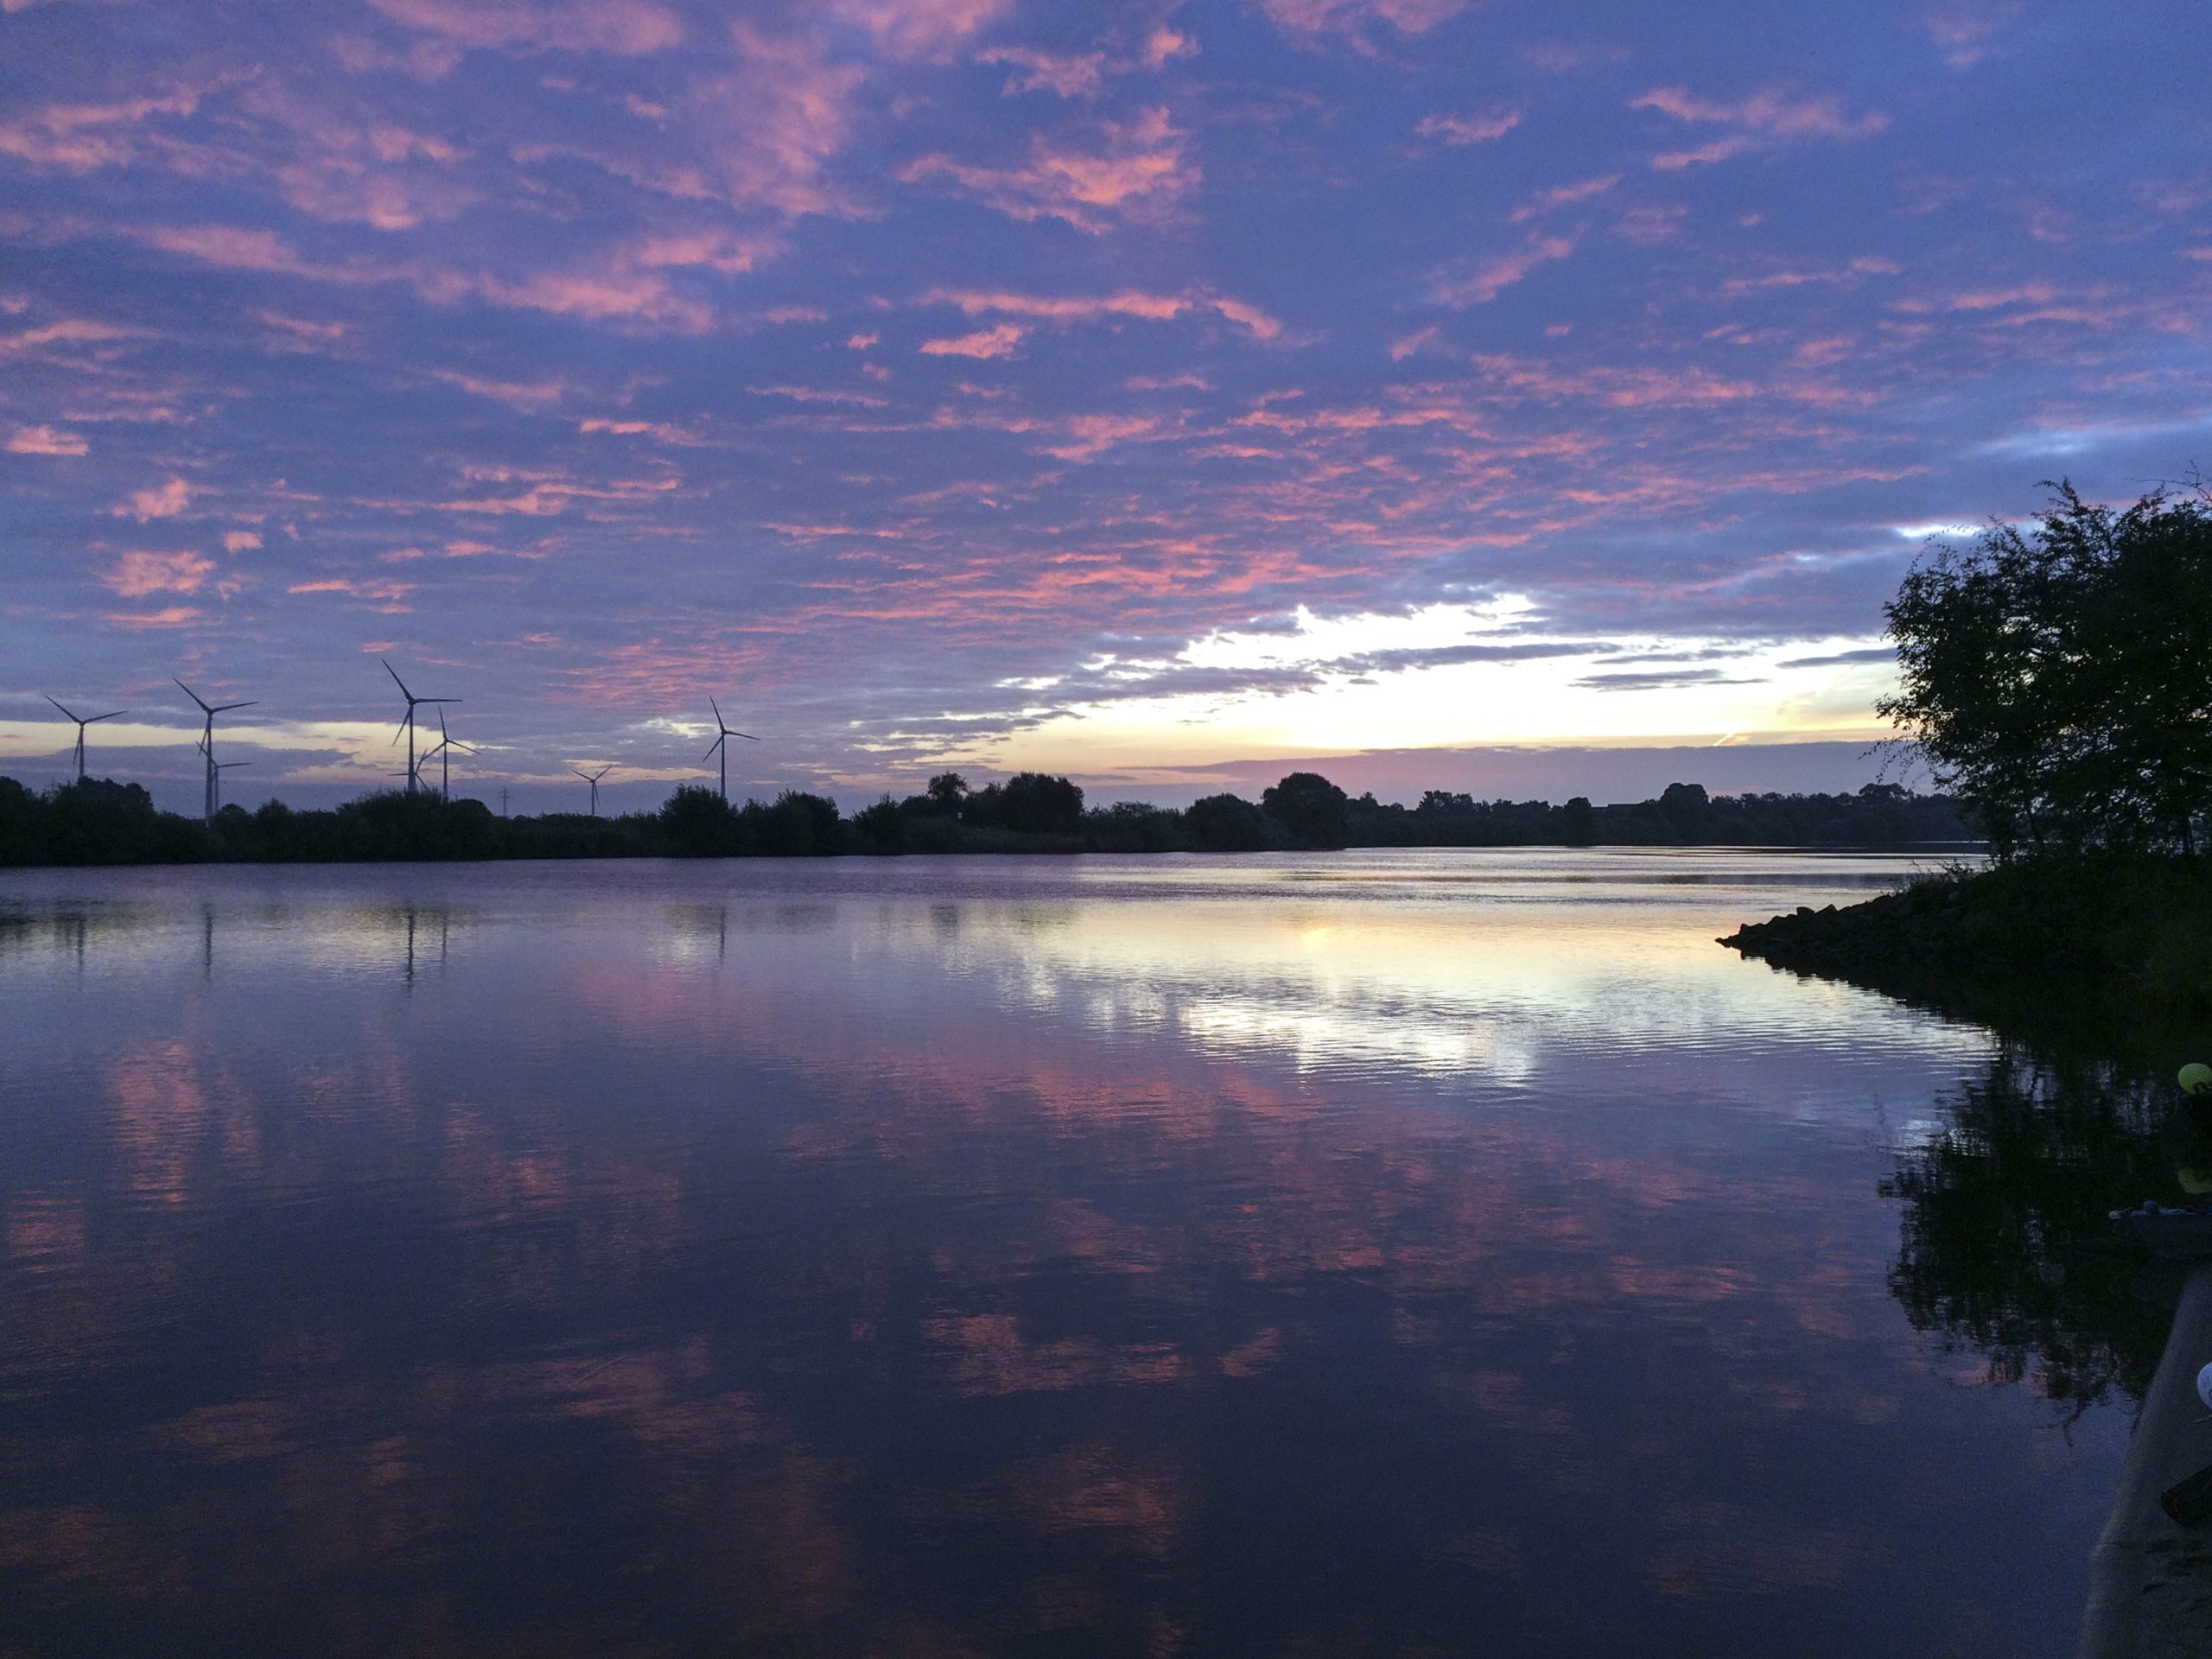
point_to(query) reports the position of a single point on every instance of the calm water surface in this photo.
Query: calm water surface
(1426, 1253)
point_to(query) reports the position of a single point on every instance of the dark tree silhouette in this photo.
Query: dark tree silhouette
(1311, 807)
(2059, 676)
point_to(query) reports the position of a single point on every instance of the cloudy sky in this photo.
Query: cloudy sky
(1151, 392)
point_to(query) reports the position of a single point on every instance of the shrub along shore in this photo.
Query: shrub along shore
(100, 821)
(2102, 939)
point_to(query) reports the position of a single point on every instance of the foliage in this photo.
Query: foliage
(2059, 677)
(1310, 807)
(1028, 803)
(1226, 824)
(103, 823)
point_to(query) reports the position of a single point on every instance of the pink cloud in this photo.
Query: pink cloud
(1090, 435)
(1127, 169)
(919, 28)
(82, 136)
(164, 502)
(1469, 129)
(1768, 116)
(832, 395)
(624, 27)
(175, 616)
(1719, 149)
(233, 249)
(1036, 72)
(387, 596)
(1965, 27)
(1130, 302)
(137, 575)
(240, 541)
(614, 294)
(1164, 44)
(1545, 202)
(659, 431)
(989, 342)
(295, 334)
(46, 440)
(1428, 337)
(729, 254)
(73, 332)
(1485, 281)
(1350, 17)
(524, 398)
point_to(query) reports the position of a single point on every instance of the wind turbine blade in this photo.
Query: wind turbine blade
(717, 708)
(396, 681)
(397, 730)
(64, 710)
(113, 714)
(194, 695)
(747, 736)
(709, 754)
(225, 707)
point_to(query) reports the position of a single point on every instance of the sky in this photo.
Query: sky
(1525, 398)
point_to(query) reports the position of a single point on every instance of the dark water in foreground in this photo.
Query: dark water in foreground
(1378, 1253)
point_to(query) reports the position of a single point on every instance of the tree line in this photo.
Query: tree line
(102, 821)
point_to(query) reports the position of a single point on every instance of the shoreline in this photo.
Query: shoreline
(2107, 949)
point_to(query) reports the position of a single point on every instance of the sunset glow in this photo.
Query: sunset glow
(1116, 390)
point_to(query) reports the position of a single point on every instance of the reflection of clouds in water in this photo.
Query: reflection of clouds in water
(819, 1255)
(1341, 1035)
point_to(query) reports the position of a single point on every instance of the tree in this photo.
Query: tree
(1036, 805)
(1226, 824)
(699, 821)
(1310, 807)
(1687, 809)
(1579, 823)
(2059, 676)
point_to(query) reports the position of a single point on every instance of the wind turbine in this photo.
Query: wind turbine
(414, 775)
(593, 777)
(445, 746)
(81, 724)
(721, 742)
(214, 788)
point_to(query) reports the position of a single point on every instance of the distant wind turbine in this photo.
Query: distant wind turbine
(212, 799)
(722, 743)
(81, 724)
(446, 743)
(414, 773)
(593, 777)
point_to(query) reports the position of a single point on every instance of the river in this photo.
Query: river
(1438, 1252)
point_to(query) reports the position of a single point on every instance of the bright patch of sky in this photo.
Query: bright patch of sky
(985, 382)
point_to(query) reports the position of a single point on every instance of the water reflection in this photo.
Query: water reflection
(2007, 1250)
(1176, 1258)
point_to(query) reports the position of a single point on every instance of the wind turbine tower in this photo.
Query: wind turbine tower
(222, 766)
(414, 773)
(443, 750)
(81, 724)
(722, 743)
(593, 777)
(215, 785)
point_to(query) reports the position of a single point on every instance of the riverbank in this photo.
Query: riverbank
(101, 822)
(2106, 941)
